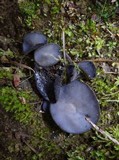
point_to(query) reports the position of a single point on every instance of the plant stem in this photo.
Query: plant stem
(102, 132)
(63, 38)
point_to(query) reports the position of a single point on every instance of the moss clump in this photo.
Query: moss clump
(16, 102)
(29, 10)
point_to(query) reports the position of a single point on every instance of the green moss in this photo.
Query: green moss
(7, 53)
(6, 72)
(11, 101)
(29, 10)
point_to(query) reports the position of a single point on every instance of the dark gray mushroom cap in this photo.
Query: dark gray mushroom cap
(75, 102)
(47, 55)
(88, 68)
(45, 85)
(32, 41)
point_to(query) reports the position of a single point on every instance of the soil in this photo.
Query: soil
(11, 25)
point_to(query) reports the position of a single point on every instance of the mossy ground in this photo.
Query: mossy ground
(91, 33)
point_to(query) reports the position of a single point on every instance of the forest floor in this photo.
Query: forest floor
(91, 33)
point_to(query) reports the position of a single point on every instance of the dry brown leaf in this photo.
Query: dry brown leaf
(22, 100)
(16, 80)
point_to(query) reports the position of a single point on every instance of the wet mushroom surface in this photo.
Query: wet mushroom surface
(88, 68)
(44, 84)
(84, 69)
(48, 55)
(69, 104)
(32, 41)
(76, 101)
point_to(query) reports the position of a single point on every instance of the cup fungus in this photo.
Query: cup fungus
(47, 55)
(87, 69)
(71, 103)
(76, 101)
(45, 85)
(32, 41)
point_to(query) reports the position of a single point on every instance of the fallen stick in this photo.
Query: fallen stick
(30, 147)
(101, 60)
(22, 65)
(102, 132)
(97, 60)
(63, 38)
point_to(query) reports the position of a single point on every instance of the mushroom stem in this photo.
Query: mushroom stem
(102, 132)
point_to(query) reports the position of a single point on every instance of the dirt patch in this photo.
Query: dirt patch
(11, 27)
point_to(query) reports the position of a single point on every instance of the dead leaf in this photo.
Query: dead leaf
(22, 100)
(16, 80)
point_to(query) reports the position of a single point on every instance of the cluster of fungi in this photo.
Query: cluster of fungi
(70, 102)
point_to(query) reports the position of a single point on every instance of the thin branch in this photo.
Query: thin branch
(22, 65)
(97, 60)
(106, 95)
(106, 29)
(101, 60)
(33, 103)
(26, 79)
(69, 59)
(102, 132)
(113, 100)
(30, 147)
(63, 38)
(111, 73)
(112, 35)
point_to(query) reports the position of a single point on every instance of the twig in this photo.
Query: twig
(106, 29)
(111, 72)
(69, 59)
(33, 103)
(26, 79)
(64, 53)
(112, 35)
(102, 132)
(63, 38)
(22, 65)
(30, 147)
(110, 94)
(112, 100)
(101, 60)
